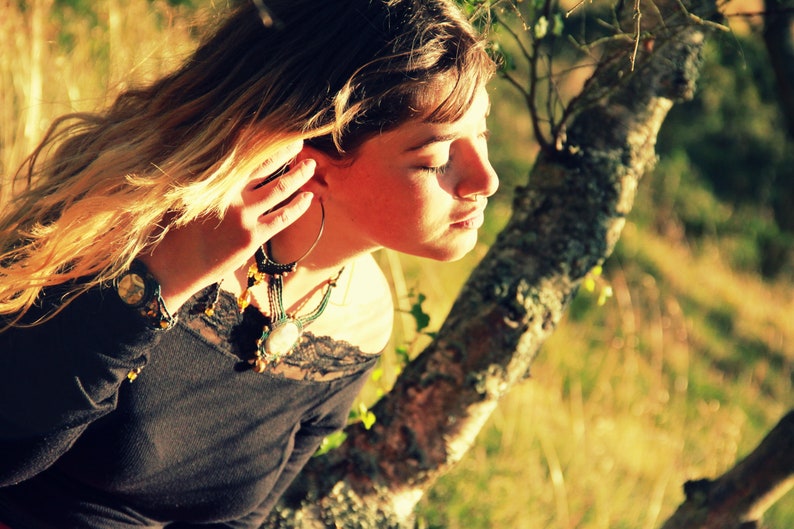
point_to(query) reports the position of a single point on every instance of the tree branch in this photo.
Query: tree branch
(738, 498)
(566, 221)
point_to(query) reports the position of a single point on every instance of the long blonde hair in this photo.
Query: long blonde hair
(100, 186)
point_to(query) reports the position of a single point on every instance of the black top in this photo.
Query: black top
(198, 437)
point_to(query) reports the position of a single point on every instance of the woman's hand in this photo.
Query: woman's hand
(201, 253)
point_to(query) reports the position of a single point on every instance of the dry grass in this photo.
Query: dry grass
(630, 400)
(679, 374)
(60, 61)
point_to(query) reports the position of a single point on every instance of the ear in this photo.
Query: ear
(325, 165)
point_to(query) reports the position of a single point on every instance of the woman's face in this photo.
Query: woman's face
(420, 188)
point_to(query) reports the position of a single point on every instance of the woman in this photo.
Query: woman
(186, 319)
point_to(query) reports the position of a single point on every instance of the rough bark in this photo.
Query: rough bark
(566, 221)
(738, 498)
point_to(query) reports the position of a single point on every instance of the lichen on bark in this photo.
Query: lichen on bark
(564, 222)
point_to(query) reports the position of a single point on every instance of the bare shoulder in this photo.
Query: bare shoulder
(366, 284)
(361, 310)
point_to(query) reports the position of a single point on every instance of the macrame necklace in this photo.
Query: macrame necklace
(281, 335)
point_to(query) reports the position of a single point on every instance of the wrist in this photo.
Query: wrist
(138, 289)
(175, 285)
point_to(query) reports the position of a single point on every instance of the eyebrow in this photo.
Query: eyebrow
(440, 138)
(436, 138)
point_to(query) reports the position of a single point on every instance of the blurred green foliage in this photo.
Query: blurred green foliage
(726, 164)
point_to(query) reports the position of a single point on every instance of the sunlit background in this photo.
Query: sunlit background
(673, 361)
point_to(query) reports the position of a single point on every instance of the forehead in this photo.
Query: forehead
(416, 134)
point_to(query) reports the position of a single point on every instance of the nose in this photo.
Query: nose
(477, 176)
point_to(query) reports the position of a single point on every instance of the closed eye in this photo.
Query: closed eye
(435, 170)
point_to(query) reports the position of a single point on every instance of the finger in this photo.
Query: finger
(260, 178)
(263, 197)
(281, 217)
(280, 158)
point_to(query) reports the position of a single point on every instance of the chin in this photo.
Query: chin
(443, 249)
(451, 253)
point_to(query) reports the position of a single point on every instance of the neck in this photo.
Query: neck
(337, 248)
(334, 249)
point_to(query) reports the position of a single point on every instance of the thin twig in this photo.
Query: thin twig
(701, 21)
(574, 8)
(603, 40)
(571, 69)
(510, 79)
(615, 28)
(637, 29)
(550, 97)
(524, 51)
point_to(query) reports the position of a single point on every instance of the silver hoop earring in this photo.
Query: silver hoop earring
(268, 266)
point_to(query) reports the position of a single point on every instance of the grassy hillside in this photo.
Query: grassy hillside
(673, 378)
(679, 372)
(684, 368)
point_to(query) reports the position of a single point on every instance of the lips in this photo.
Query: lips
(472, 220)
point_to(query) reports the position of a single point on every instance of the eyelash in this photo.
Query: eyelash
(438, 170)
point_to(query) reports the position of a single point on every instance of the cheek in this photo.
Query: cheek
(411, 206)
(392, 198)
(383, 191)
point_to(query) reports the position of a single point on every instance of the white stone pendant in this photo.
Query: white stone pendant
(282, 338)
(276, 342)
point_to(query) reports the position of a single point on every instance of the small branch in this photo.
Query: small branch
(585, 48)
(574, 8)
(512, 80)
(524, 51)
(532, 101)
(637, 31)
(698, 20)
(529, 95)
(738, 498)
(550, 100)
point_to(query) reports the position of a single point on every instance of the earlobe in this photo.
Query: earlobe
(319, 182)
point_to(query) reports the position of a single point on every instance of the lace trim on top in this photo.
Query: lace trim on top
(315, 358)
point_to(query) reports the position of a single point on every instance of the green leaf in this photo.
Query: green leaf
(331, 442)
(402, 355)
(420, 316)
(541, 27)
(368, 419)
(558, 26)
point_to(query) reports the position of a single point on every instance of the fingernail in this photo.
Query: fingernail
(306, 196)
